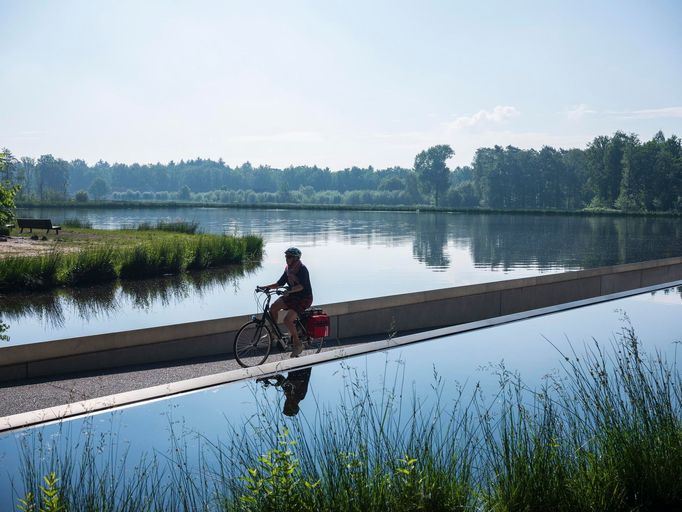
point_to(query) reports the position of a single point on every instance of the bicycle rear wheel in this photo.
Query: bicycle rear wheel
(252, 344)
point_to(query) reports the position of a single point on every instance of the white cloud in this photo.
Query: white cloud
(579, 111)
(498, 115)
(652, 113)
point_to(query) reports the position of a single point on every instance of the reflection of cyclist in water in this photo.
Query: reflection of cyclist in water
(294, 385)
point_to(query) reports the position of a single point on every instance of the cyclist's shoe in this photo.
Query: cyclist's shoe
(296, 351)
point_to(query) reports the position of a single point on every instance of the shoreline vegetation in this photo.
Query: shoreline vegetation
(618, 172)
(103, 204)
(83, 256)
(604, 432)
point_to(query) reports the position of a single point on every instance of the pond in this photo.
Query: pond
(433, 374)
(350, 254)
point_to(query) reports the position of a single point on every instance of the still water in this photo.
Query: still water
(457, 365)
(351, 255)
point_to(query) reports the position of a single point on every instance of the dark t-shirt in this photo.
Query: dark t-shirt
(303, 279)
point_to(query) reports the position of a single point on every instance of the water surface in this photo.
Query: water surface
(350, 255)
(532, 347)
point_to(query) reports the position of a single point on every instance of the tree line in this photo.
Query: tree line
(618, 172)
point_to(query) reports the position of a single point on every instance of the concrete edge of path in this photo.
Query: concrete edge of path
(160, 392)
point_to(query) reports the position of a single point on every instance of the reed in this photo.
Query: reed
(116, 257)
(91, 266)
(604, 434)
(30, 273)
(77, 223)
(180, 226)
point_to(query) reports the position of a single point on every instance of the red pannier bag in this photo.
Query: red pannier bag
(317, 324)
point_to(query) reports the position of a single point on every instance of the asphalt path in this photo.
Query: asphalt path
(33, 395)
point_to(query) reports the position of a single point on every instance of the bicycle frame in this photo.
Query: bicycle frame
(267, 317)
(250, 347)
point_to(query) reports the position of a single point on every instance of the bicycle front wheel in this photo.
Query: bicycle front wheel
(252, 344)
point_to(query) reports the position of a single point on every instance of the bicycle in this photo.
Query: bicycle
(254, 340)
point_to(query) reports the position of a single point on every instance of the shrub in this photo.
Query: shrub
(81, 196)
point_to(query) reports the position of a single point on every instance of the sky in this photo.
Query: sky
(331, 83)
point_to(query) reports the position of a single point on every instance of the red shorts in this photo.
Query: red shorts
(298, 304)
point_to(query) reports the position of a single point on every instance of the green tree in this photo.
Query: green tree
(392, 184)
(99, 188)
(81, 196)
(185, 193)
(53, 177)
(7, 190)
(432, 173)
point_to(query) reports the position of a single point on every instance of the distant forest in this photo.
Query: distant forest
(618, 172)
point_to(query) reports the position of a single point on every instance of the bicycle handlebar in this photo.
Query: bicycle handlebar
(271, 291)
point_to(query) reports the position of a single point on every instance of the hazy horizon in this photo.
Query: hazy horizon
(334, 84)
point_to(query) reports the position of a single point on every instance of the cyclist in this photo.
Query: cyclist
(296, 299)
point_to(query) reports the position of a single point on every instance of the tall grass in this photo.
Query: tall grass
(212, 251)
(30, 273)
(97, 265)
(604, 434)
(77, 223)
(100, 264)
(180, 226)
(155, 258)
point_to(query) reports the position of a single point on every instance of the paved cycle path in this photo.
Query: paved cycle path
(33, 395)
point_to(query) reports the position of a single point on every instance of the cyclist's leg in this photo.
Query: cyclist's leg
(289, 321)
(276, 307)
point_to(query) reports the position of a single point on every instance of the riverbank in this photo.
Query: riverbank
(335, 207)
(81, 256)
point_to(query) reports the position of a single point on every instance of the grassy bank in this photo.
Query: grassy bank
(604, 434)
(340, 207)
(84, 256)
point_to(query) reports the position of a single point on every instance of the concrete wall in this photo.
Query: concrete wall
(390, 315)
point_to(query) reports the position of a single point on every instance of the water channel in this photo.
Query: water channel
(438, 375)
(350, 254)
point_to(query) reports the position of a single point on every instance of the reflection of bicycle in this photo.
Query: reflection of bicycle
(294, 385)
(254, 340)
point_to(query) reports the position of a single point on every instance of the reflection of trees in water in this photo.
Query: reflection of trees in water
(431, 240)
(512, 241)
(104, 300)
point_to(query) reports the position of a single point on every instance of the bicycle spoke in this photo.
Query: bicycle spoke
(252, 344)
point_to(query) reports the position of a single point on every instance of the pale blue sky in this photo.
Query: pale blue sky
(332, 83)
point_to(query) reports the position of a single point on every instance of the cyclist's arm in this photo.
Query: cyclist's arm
(280, 282)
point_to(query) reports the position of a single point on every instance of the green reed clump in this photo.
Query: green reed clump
(253, 246)
(606, 437)
(155, 258)
(180, 226)
(92, 266)
(373, 452)
(158, 256)
(77, 223)
(31, 273)
(629, 407)
(209, 251)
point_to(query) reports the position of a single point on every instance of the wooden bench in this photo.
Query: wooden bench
(38, 224)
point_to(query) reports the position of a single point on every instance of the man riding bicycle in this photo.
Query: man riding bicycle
(296, 299)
